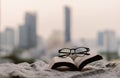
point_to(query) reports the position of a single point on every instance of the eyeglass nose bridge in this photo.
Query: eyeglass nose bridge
(72, 51)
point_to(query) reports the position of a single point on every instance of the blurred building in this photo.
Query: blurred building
(30, 23)
(7, 39)
(10, 37)
(23, 37)
(56, 39)
(107, 41)
(67, 25)
(40, 41)
(28, 33)
(100, 39)
(0, 41)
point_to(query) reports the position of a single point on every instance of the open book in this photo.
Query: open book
(68, 63)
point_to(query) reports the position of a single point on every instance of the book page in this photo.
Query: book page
(59, 59)
(79, 60)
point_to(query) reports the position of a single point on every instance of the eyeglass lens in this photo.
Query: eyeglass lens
(64, 52)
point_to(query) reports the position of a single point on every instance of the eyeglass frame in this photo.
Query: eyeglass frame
(83, 52)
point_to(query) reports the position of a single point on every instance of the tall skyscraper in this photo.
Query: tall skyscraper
(23, 43)
(67, 25)
(30, 23)
(27, 33)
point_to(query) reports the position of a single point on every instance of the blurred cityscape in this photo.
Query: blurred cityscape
(33, 47)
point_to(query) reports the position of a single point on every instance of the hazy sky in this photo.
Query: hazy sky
(88, 16)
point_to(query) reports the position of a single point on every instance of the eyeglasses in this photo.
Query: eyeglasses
(80, 51)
